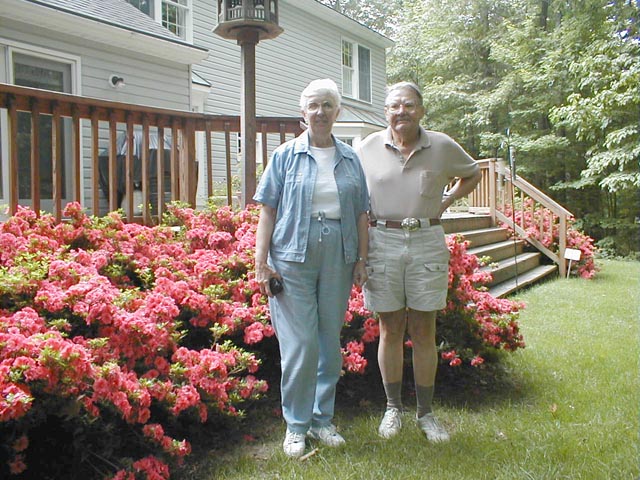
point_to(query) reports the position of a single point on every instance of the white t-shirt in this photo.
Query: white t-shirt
(325, 193)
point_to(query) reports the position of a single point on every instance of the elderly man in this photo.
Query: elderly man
(407, 169)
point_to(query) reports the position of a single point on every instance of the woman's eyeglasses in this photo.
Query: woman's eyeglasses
(325, 106)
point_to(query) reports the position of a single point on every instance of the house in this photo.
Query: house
(164, 54)
(137, 68)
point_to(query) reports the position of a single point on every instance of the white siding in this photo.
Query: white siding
(309, 48)
(148, 81)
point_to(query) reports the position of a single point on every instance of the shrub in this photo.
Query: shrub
(113, 334)
(472, 328)
(533, 217)
(104, 322)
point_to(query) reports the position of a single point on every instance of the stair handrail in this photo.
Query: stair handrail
(504, 182)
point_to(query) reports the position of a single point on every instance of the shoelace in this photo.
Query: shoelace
(391, 417)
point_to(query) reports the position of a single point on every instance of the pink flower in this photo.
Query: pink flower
(450, 355)
(253, 333)
(21, 444)
(475, 361)
(17, 465)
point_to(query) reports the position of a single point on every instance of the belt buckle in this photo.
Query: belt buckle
(410, 224)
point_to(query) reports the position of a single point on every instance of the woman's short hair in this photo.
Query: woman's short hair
(404, 86)
(324, 86)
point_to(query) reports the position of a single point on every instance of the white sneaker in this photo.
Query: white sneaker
(293, 444)
(327, 435)
(391, 423)
(433, 430)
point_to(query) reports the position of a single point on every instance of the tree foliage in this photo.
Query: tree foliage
(561, 76)
(379, 15)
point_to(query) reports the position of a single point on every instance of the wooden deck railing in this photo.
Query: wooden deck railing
(510, 198)
(98, 124)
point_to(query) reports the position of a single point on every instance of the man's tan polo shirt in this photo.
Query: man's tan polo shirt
(414, 188)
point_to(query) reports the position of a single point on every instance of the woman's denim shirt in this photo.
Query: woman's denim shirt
(287, 185)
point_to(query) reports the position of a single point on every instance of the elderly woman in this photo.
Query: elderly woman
(312, 235)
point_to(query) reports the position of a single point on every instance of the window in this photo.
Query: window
(174, 15)
(48, 73)
(143, 5)
(356, 71)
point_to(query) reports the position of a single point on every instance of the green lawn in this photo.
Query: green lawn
(566, 406)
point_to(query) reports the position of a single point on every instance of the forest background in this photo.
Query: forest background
(558, 81)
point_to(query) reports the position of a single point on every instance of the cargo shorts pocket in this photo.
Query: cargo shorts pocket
(437, 275)
(377, 280)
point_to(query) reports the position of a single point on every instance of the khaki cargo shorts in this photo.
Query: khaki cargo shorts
(407, 269)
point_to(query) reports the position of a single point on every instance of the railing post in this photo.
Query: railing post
(56, 160)
(160, 169)
(227, 147)
(175, 171)
(493, 190)
(35, 154)
(129, 168)
(13, 154)
(76, 154)
(189, 174)
(562, 245)
(209, 159)
(113, 172)
(144, 158)
(95, 161)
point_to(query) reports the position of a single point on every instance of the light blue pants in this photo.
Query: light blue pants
(307, 317)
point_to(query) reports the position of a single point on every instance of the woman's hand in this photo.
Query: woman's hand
(263, 274)
(360, 273)
(263, 240)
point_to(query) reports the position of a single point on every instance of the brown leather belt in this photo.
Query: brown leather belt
(410, 224)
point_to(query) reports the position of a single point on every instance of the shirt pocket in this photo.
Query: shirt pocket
(430, 184)
(294, 177)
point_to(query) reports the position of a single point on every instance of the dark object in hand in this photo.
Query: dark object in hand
(275, 285)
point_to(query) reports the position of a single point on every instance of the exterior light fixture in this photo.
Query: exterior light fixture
(116, 81)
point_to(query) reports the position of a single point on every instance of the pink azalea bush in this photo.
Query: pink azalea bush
(123, 331)
(112, 320)
(472, 328)
(537, 221)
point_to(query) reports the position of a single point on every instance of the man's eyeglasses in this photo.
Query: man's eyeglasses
(409, 107)
(325, 106)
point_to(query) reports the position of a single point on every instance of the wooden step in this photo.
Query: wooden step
(507, 256)
(499, 251)
(509, 267)
(485, 236)
(534, 275)
(454, 223)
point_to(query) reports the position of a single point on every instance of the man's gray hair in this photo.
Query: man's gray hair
(404, 86)
(324, 86)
